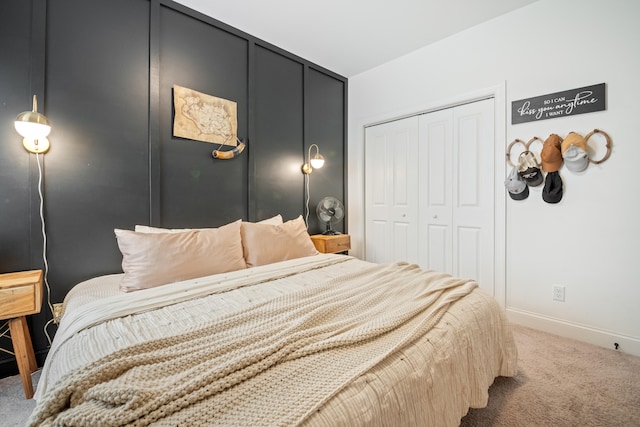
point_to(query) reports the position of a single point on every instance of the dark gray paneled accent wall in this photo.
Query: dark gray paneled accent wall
(326, 126)
(196, 189)
(97, 97)
(15, 97)
(279, 122)
(104, 71)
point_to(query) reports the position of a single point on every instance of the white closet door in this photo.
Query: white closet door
(473, 192)
(436, 191)
(456, 191)
(391, 191)
(429, 191)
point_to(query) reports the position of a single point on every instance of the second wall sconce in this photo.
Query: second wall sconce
(34, 128)
(316, 162)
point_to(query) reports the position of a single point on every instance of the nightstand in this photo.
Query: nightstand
(331, 244)
(20, 296)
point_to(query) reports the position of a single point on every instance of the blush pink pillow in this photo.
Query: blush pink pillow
(154, 259)
(266, 243)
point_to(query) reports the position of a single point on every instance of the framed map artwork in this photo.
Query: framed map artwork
(203, 117)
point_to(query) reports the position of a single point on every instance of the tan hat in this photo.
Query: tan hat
(550, 156)
(574, 139)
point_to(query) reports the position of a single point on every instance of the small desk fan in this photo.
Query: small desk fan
(330, 211)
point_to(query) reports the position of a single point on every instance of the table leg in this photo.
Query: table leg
(23, 350)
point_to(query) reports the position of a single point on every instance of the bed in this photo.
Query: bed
(295, 339)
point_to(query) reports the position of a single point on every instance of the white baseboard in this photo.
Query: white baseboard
(602, 338)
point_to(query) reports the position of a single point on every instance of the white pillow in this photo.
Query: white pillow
(148, 229)
(276, 220)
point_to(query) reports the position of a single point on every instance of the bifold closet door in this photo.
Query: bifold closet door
(391, 191)
(429, 191)
(456, 193)
(435, 154)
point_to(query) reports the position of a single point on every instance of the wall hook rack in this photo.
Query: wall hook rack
(527, 145)
(608, 145)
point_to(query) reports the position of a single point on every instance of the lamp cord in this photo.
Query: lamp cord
(44, 248)
(306, 186)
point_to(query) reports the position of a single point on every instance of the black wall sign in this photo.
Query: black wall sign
(560, 104)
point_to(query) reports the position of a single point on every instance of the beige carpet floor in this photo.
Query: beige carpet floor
(560, 383)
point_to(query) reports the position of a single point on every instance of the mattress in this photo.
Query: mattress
(432, 381)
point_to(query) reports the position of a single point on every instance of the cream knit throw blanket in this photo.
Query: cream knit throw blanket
(271, 364)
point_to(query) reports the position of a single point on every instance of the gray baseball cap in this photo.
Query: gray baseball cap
(575, 158)
(515, 185)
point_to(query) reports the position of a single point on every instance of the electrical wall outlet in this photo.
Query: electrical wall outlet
(57, 312)
(558, 293)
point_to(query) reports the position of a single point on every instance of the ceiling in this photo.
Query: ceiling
(352, 36)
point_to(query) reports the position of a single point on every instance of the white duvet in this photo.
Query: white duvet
(432, 382)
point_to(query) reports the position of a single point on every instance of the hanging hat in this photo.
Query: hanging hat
(529, 169)
(552, 191)
(574, 139)
(575, 158)
(551, 156)
(515, 185)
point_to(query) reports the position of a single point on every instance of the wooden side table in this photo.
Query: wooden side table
(331, 244)
(20, 296)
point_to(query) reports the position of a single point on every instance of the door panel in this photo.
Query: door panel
(468, 253)
(438, 152)
(438, 246)
(468, 157)
(377, 233)
(436, 190)
(401, 240)
(391, 186)
(473, 192)
(376, 196)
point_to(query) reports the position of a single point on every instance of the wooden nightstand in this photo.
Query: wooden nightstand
(20, 296)
(331, 244)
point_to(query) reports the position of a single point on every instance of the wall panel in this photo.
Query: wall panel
(277, 147)
(195, 188)
(97, 101)
(325, 120)
(104, 72)
(15, 97)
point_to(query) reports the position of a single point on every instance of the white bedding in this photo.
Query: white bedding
(433, 382)
(92, 302)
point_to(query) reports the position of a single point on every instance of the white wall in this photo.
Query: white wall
(589, 241)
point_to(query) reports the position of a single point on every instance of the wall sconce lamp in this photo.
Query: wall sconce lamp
(34, 128)
(316, 162)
